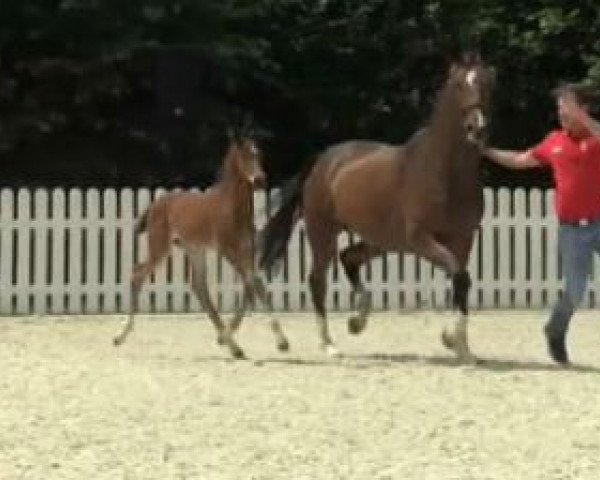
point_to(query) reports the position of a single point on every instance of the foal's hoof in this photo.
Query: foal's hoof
(283, 346)
(356, 325)
(448, 340)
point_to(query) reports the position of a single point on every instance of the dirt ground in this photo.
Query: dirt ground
(169, 404)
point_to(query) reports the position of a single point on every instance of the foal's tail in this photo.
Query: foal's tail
(275, 235)
(142, 223)
(156, 214)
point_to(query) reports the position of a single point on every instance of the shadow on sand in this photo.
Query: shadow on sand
(378, 360)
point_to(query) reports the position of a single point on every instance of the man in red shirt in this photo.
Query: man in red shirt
(573, 154)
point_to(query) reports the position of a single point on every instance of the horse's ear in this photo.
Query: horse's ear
(246, 129)
(232, 135)
(468, 58)
(493, 74)
(453, 70)
(471, 58)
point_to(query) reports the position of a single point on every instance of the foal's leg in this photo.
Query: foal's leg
(200, 288)
(158, 246)
(141, 271)
(254, 287)
(240, 311)
(352, 258)
(261, 292)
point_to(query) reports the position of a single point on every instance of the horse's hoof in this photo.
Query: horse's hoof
(332, 351)
(221, 339)
(468, 359)
(283, 346)
(448, 340)
(238, 354)
(117, 341)
(356, 325)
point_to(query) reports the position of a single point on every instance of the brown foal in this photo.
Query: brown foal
(219, 218)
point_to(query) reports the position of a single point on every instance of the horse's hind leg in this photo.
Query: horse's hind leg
(352, 258)
(158, 245)
(140, 273)
(200, 288)
(323, 245)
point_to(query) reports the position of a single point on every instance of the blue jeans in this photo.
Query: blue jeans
(576, 245)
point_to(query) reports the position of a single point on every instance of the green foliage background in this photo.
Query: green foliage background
(140, 92)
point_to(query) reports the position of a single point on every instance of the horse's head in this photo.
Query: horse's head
(248, 162)
(471, 82)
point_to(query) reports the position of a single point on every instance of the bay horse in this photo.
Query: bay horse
(424, 197)
(220, 218)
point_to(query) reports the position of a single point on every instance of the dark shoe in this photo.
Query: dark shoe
(557, 348)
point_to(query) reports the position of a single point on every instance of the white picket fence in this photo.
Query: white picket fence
(72, 252)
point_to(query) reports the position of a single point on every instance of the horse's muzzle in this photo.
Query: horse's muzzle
(476, 135)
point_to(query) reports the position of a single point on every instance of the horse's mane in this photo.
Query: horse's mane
(441, 101)
(442, 97)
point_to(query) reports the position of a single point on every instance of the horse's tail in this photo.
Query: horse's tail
(142, 223)
(276, 233)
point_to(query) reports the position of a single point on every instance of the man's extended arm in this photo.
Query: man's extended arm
(511, 159)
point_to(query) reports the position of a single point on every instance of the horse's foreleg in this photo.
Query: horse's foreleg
(352, 258)
(440, 255)
(200, 288)
(458, 340)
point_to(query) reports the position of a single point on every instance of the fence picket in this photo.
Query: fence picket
(76, 302)
(520, 281)
(92, 251)
(73, 251)
(536, 225)
(7, 253)
(24, 257)
(39, 269)
(108, 256)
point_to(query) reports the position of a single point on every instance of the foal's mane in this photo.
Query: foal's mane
(227, 168)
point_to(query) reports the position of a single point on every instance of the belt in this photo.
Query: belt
(582, 222)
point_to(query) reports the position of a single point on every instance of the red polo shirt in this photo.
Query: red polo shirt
(575, 164)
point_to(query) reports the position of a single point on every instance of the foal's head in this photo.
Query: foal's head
(244, 160)
(471, 82)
